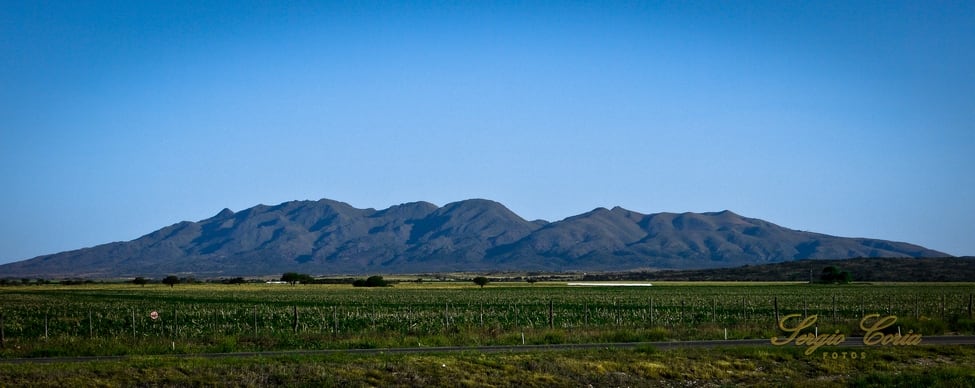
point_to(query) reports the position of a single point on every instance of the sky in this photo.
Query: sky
(850, 118)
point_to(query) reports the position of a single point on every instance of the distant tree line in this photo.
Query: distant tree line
(873, 269)
(42, 281)
(300, 278)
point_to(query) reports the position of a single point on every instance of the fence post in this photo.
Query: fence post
(587, 315)
(651, 311)
(775, 304)
(616, 313)
(834, 307)
(91, 329)
(551, 315)
(714, 309)
(917, 309)
(335, 321)
(681, 311)
(942, 307)
(969, 306)
(295, 307)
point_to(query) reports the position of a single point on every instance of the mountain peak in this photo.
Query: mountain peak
(475, 203)
(725, 212)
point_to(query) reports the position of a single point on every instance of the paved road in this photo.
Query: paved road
(850, 342)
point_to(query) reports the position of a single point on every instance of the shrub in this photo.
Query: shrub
(372, 281)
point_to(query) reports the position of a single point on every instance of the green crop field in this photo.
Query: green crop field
(55, 320)
(117, 319)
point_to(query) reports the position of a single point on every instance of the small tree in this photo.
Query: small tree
(372, 281)
(845, 277)
(481, 281)
(833, 275)
(376, 281)
(171, 280)
(140, 281)
(290, 277)
(295, 278)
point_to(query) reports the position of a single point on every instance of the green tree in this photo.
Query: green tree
(845, 277)
(372, 281)
(833, 275)
(140, 281)
(171, 280)
(481, 281)
(290, 277)
(376, 281)
(295, 278)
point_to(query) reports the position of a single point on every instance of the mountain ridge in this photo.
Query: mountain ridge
(333, 237)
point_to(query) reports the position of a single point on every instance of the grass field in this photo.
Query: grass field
(114, 319)
(907, 367)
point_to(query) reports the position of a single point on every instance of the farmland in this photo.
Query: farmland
(54, 320)
(117, 319)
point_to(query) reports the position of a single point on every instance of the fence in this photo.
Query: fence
(132, 319)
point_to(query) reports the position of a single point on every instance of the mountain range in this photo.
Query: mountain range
(330, 237)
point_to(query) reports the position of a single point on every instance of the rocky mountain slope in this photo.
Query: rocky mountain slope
(330, 237)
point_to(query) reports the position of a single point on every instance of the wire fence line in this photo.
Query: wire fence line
(40, 319)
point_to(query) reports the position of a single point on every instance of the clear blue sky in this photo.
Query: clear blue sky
(848, 118)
